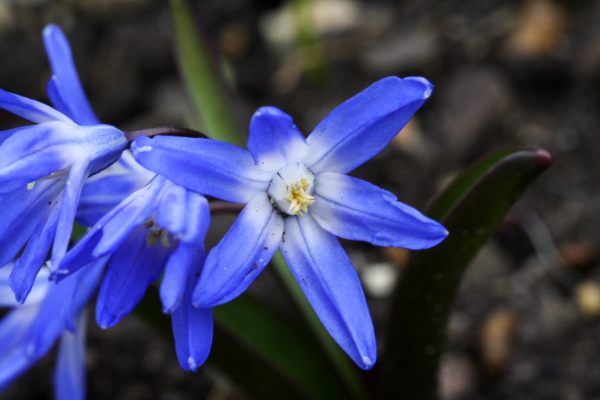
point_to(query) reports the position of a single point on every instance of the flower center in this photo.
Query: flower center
(291, 189)
(156, 234)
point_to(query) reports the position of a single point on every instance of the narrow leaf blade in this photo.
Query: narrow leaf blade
(202, 78)
(290, 349)
(268, 356)
(471, 209)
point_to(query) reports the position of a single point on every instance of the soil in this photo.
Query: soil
(507, 73)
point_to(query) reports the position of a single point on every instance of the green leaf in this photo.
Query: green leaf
(338, 363)
(275, 343)
(267, 355)
(307, 37)
(202, 78)
(471, 209)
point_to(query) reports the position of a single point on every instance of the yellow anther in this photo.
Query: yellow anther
(30, 185)
(156, 235)
(153, 237)
(298, 198)
(164, 239)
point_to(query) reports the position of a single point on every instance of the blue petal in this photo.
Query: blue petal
(177, 273)
(12, 365)
(14, 325)
(131, 212)
(9, 132)
(53, 92)
(331, 285)
(36, 152)
(31, 261)
(105, 190)
(104, 143)
(68, 208)
(205, 166)
(47, 326)
(242, 254)
(172, 211)
(61, 305)
(189, 255)
(82, 289)
(69, 375)
(192, 327)
(38, 291)
(24, 212)
(112, 229)
(66, 94)
(13, 358)
(354, 209)
(183, 213)
(362, 126)
(78, 257)
(7, 297)
(198, 219)
(193, 332)
(131, 269)
(274, 139)
(31, 110)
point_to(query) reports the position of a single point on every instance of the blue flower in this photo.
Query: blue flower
(53, 312)
(160, 227)
(43, 166)
(105, 190)
(102, 191)
(299, 199)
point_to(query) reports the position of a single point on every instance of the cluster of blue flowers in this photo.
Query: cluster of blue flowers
(147, 217)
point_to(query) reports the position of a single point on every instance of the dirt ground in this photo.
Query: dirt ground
(507, 73)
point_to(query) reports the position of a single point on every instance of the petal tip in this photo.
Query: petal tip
(192, 364)
(169, 308)
(50, 29)
(201, 301)
(267, 110)
(428, 92)
(368, 363)
(428, 86)
(106, 320)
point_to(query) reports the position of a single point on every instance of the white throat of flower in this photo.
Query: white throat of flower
(291, 189)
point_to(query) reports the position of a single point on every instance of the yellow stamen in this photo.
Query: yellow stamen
(164, 239)
(156, 235)
(153, 237)
(30, 185)
(298, 198)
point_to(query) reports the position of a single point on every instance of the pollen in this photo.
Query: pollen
(156, 235)
(298, 198)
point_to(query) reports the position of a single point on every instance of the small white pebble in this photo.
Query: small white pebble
(380, 279)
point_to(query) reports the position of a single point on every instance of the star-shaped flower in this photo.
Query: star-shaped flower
(156, 230)
(43, 166)
(299, 199)
(53, 312)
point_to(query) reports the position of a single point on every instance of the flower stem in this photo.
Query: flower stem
(164, 131)
(225, 207)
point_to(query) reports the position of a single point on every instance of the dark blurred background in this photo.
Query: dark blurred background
(507, 73)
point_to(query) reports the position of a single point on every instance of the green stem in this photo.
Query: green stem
(345, 368)
(202, 77)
